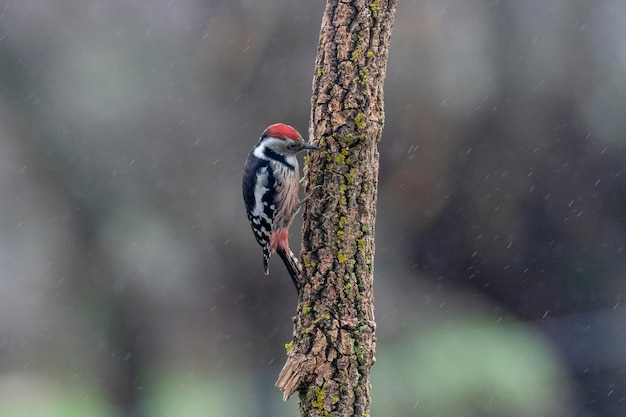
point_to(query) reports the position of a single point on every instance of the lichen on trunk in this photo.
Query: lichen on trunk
(332, 351)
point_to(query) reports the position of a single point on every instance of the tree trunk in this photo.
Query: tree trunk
(332, 351)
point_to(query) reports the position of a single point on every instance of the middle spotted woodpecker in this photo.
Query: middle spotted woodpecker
(271, 182)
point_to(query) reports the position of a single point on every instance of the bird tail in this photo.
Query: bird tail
(293, 266)
(266, 259)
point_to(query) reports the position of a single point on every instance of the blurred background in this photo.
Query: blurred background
(130, 281)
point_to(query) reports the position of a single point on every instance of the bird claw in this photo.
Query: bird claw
(308, 196)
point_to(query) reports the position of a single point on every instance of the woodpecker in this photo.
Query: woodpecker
(271, 181)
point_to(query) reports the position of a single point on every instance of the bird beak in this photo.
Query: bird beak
(309, 146)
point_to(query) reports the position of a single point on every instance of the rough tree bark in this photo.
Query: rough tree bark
(332, 351)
